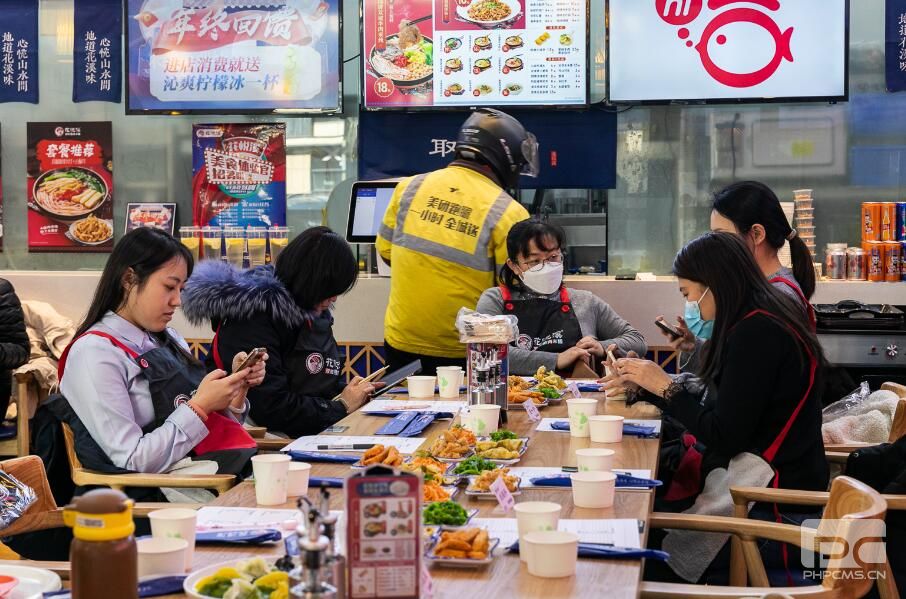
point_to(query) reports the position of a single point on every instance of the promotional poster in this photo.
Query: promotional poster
(70, 187)
(448, 53)
(232, 55)
(19, 51)
(239, 175)
(159, 216)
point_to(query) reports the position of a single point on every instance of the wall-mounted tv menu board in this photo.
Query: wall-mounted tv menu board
(233, 56)
(467, 53)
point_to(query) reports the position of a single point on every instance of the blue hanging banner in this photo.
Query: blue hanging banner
(97, 48)
(895, 45)
(577, 149)
(19, 51)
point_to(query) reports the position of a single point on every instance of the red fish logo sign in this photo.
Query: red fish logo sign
(677, 13)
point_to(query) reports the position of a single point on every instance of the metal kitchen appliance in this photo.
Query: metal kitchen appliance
(866, 340)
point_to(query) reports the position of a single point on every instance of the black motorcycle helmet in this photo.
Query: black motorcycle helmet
(496, 139)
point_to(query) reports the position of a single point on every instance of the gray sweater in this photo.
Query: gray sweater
(596, 319)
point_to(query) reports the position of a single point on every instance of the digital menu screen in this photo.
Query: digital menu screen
(233, 56)
(449, 53)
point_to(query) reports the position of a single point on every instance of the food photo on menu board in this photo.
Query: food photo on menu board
(159, 216)
(448, 53)
(70, 187)
(210, 56)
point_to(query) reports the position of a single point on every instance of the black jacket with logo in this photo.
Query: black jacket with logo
(14, 346)
(249, 309)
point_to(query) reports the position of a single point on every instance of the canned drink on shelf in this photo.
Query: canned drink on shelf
(871, 221)
(835, 263)
(901, 221)
(855, 264)
(892, 261)
(874, 260)
(888, 221)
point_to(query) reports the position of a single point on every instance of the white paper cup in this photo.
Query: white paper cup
(534, 516)
(483, 419)
(593, 489)
(421, 386)
(551, 554)
(297, 479)
(271, 477)
(176, 523)
(449, 380)
(580, 410)
(160, 556)
(594, 459)
(606, 429)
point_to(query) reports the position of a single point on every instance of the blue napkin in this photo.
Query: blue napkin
(623, 481)
(405, 390)
(588, 387)
(599, 551)
(239, 537)
(560, 425)
(398, 423)
(166, 585)
(629, 429)
(325, 481)
(392, 413)
(317, 456)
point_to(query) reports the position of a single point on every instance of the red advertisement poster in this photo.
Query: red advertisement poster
(70, 187)
(1, 204)
(464, 53)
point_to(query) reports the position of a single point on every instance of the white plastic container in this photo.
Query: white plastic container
(593, 489)
(551, 554)
(421, 386)
(594, 459)
(534, 516)
(606, 429)
(160, 556)
(580, 410)
(271, 478)
(297, 479)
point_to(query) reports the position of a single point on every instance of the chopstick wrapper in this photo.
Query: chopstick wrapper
(598, 551)
(158, 587)
(239, 537)
(316, 456)
(623, 481)
(629, 429)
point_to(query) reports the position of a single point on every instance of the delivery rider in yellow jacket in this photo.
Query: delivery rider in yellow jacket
(444, 235)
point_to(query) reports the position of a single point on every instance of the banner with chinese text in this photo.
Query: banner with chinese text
(895, 46)
(577, 149)
(70, 187)
(19, 51)
(97, 73)
(239, 175)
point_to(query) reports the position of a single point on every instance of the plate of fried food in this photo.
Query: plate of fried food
(433, 490)
(465, 548)
(480, 486)
(380, 454)
(549, 384)
(515, 399)
(454, 445)
(503, 452)
(91, 231)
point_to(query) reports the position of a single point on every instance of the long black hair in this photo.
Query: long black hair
(748, 203)
(723, 263)
(144, 251)
(517, 244)
(316, 265)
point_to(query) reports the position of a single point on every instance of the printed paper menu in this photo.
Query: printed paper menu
(448, 53)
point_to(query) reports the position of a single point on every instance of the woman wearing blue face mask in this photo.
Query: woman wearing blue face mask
(559, 327)
(758, 391)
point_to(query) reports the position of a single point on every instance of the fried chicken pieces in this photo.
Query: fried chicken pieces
(378, 454)
(469, 543)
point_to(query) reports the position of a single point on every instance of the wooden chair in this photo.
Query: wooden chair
(258, 433)
(897, 430)
(82, 477)
(26, 397)
(45, 514)
(848, 503)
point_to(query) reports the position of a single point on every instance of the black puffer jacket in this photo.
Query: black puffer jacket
(14, 346)
(251, 309)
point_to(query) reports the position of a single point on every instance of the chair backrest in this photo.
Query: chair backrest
(74, 464)
(898, 426)
(851, 531)
(43, 513)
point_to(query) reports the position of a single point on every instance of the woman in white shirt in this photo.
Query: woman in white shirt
(135, 397)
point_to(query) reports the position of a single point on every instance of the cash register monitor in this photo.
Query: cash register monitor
(367, 206)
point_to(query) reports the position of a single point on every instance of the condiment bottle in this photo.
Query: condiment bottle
(103, 555)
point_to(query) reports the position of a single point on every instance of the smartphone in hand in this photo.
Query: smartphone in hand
(253, 358)
(670, 330)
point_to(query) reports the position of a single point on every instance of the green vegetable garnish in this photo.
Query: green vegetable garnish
(447, 513)
(474, 466)
(549, 392)
(501, 434)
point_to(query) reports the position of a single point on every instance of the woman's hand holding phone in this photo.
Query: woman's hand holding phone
(684, 343)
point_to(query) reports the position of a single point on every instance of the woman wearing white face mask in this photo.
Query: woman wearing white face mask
(558, 327)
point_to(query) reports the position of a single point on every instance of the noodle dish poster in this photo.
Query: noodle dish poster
(70, 187)
(239, 175)
(479, 15)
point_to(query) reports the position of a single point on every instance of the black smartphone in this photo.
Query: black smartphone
(253, 358)
(670, 330)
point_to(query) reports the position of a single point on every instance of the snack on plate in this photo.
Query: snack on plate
(423, 459)
(445, 513)
(432, 491)
(517, 383)
(378, 454)
(520, 397)
(486, 479)
(92, 230)
(501, 434)
(549, 379)
(252, 579)
(505, 449)
(454, 443)
(470, 543)
(474, 465)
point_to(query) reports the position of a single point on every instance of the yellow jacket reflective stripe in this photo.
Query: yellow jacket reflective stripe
(444, 234)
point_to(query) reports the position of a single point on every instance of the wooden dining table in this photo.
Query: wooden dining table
(507, 575)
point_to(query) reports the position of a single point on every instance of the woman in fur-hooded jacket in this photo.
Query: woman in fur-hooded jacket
(287, 311)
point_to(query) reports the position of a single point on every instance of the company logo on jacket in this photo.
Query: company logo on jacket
(314, 363)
